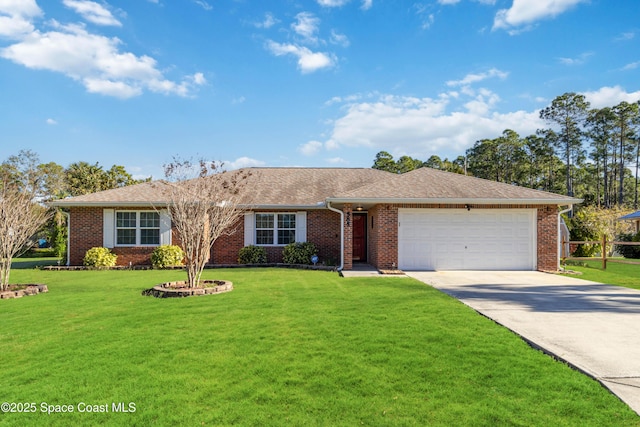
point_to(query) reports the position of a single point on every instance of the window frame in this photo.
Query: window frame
(275, 229)
(138, 228)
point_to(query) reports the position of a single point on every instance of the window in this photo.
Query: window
(275, 229)
(137, 228)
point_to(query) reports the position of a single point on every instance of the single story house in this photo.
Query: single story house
(422, 220)
(635, 217)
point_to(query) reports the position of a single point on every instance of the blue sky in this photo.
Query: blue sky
(298, 83)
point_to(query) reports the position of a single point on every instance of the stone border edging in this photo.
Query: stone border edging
(30, 289)
(174, 290)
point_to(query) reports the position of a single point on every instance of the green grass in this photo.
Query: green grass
(285, 347)
(627, 275)
(34, 262)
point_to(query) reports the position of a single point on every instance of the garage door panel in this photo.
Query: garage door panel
(458, 239)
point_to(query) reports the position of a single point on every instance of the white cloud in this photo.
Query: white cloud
(523, 13)
(198, 79)
(117, 89)
(339, 39)
(478, 77)
(203, 4)
(629, 35)
(16, 17)
(631, 66)
(92, 12)
(366, 4)
(610, 96)
(448, 1)
(332, 3)
(336, 160)
(422, 12)
(95, 61)
(310, 148)
(52, 122)
(308, 61)
(581, 59)
(268, 21)
(243, 162)
(423, 126)
(239, 100)
(306, 25)
(26, 8)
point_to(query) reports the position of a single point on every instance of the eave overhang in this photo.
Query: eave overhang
(455, 201)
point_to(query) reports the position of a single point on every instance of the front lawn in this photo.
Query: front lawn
(627, 275)
(286, 347)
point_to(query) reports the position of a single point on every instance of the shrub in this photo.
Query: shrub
(590, 223)
(167, 256)
(252, 255)
(629, 251)
(299, 253)
(100, 257)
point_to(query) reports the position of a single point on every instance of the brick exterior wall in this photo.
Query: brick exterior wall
(548, 238)
(85, 232)
(348, 236)
(383, 236)
(323, 230)
(225, 249)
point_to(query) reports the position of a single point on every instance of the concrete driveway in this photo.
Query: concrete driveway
(592, 326)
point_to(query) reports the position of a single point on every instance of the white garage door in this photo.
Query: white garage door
(460, 239)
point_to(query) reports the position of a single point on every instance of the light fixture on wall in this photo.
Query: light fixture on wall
(359, 208)
(468, 207)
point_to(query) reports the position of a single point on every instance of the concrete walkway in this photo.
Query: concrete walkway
(592, 326)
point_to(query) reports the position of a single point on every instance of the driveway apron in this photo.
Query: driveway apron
(591, 326)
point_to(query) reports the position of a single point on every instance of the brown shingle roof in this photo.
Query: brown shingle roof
(308, 187)
(426, 184)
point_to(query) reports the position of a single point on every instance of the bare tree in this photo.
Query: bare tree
(203, 208)
(20, 220)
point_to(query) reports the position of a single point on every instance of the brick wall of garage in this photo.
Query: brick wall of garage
(548, 238)
(383, 236)
(383, 232)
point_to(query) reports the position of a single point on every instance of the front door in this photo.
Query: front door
(359, 237)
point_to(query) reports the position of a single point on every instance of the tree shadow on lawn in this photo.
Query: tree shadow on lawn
(30, 263)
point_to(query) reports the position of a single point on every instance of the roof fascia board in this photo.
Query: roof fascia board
(321, 205)
(456, 201)
(63, 204)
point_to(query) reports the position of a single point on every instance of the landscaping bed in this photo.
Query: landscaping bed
(180, 289)
(19, 291)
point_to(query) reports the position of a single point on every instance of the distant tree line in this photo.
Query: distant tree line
(23, 174)
(49, 181)
(592, 154)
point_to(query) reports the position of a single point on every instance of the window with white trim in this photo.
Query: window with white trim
(137, 228)
(275, 228)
